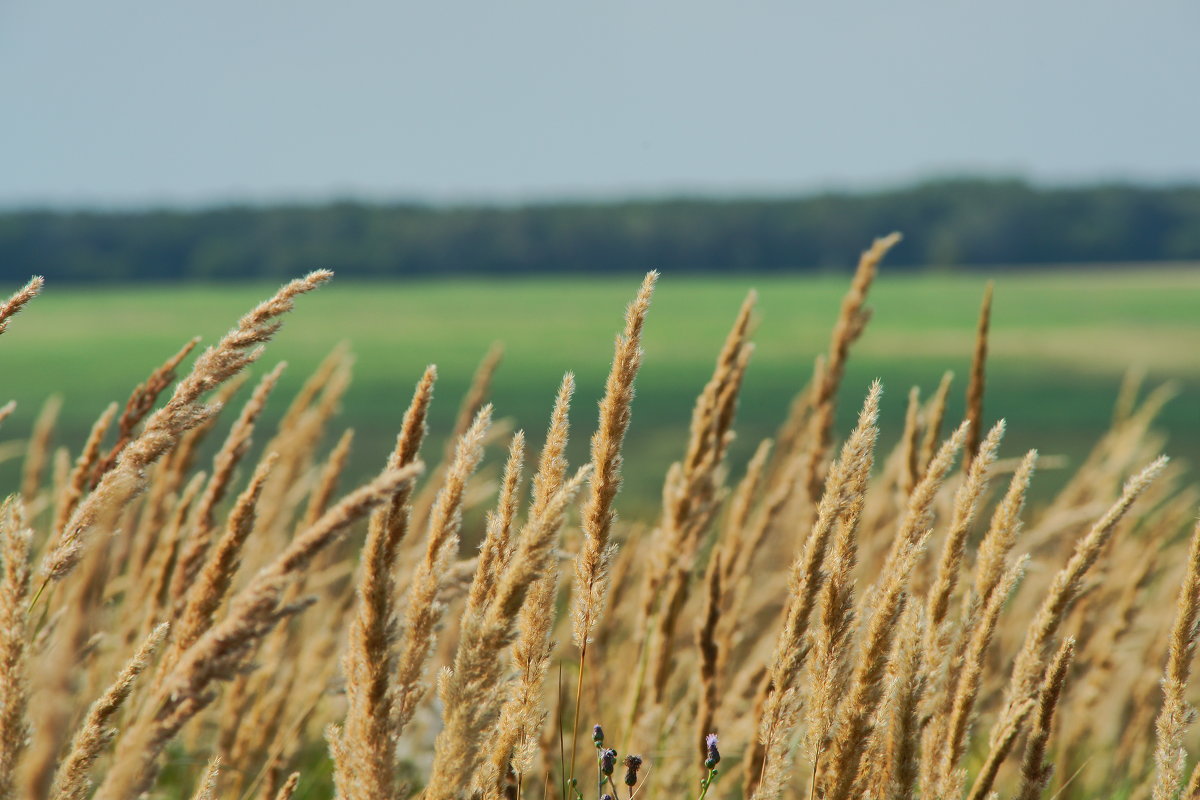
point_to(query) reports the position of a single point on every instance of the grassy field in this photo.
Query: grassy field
(1061, 341)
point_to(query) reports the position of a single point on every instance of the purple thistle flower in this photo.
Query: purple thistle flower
(714, 755)
(608, 761)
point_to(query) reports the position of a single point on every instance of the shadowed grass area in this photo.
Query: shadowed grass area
(1061, 341)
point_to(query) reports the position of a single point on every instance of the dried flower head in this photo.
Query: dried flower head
(632, 765)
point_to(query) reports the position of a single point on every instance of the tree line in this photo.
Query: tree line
(946, 224)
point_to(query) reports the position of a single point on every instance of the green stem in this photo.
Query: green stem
(599, 770)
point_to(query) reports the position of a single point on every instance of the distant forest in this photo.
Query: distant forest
(952, 224)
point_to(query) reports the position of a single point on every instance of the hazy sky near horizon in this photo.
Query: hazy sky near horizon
(131, 102)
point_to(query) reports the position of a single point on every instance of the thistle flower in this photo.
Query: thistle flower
(597, 735)
(632, 765)
(714, 755)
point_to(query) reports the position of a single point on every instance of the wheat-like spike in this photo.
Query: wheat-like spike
(288, 790)
(424, 609)
(1192, 790)
(691, 495)
(961, 706)
(1035, 772)
(935, 414)
(842, 500)
(19, 299)
(208, 592)
(790, 435)
(836, 616)
(390, 524)
(739, 548)
(60, 469)
(903, 737)
(909, 444)
(852, 320)
(52, 678)
(474, 399)
(769, 517)
(37, 453)
(966, 502)
(310, 392)
(1002, 743)
(497, 547)
(978, 367)
(183, 412)
(516, 732)
(534, 552)
(327, 481)
(861, 703)
(1127, 394)
(297, 440)
(594, 560)
(741, 506)
(1106, 648)
(1029, 666)
(997, 543)
(471, 704)
(7, 410)
(364, 747)
(156, 581)
(841, 505)
(140, 403)
(1175, 715)
(918, 512)
(206, 789)
(170, 473)
(595, 557)
(713, 413)
(14, 641)
(521, 727)
(264, 730)
(77, 483)
(552, 461)
(223, 650)
(71, 780)
(233, 450)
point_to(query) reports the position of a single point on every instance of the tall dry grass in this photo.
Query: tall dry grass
(834, 622)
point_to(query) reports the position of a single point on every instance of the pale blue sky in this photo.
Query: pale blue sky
(131, 102)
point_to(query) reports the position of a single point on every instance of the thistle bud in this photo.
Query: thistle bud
(597, 735)
(608, 761)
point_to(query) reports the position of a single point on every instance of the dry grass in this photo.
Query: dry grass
(884, 625)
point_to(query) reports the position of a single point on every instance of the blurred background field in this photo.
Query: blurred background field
(1061, 341)
(510, 178)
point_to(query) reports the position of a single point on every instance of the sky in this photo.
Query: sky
(129, 103)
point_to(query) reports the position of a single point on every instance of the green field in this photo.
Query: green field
(1061, 341)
